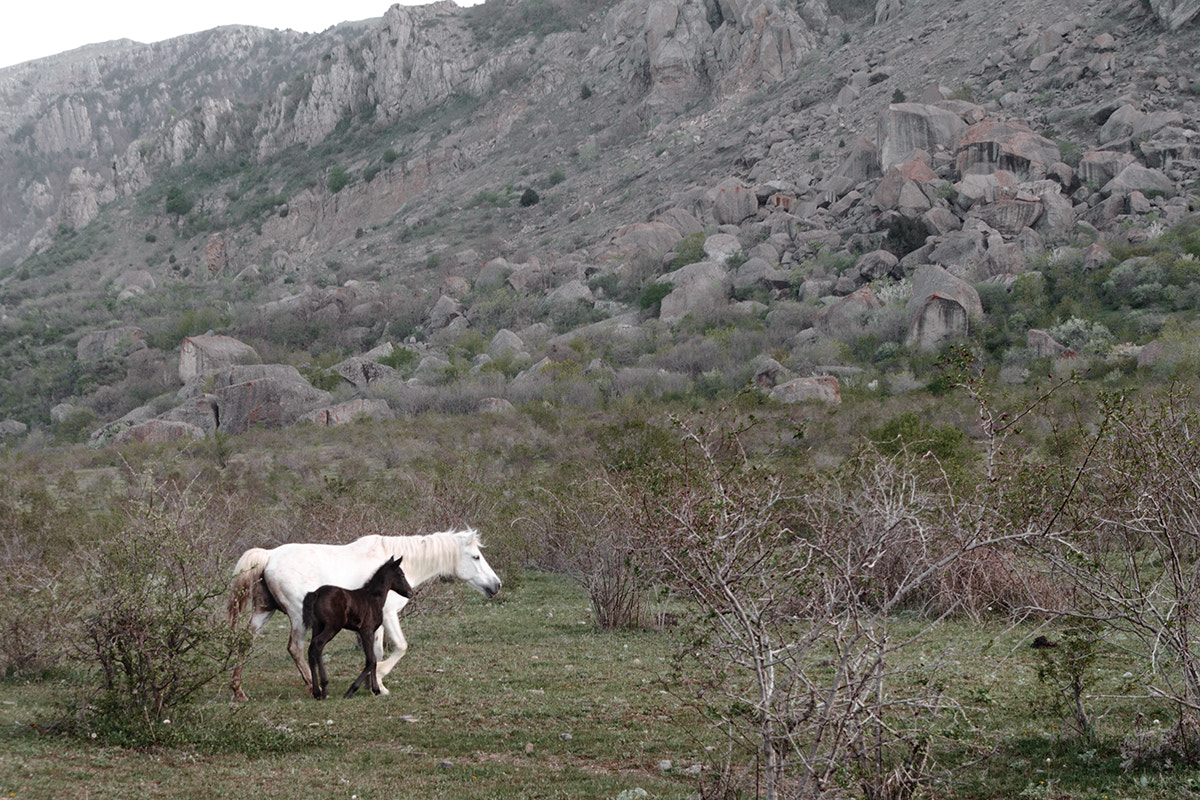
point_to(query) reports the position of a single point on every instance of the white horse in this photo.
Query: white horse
(278, 579)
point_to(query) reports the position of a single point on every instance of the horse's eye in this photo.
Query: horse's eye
(475, 557)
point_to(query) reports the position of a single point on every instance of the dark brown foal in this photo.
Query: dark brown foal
(330, 609)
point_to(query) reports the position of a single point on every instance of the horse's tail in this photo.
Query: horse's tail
(306, 614)
(248, 584)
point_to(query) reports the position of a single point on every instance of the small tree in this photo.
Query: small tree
(179, 202)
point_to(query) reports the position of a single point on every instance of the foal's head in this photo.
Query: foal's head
(390, 577)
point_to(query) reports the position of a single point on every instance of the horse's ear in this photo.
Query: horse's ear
(398, 560)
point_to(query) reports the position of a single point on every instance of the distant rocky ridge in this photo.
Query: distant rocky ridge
(779, 133)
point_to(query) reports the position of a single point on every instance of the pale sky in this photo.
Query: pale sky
(32, 29)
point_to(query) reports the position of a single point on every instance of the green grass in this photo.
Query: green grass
(481, 682)
(526, 692)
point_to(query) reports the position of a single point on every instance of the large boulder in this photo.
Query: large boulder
(199, 412)
(505, 343)
(200, 356)
(733, 202)
(939, 319)
(862, 162)
(1099, 167)
(1043, 345)
(645, 239)
(1136, 178)
(1175, 13)
(360, 372)
(757, 271)
(931, 279)
(903, 188)
(444, 311)
(1011, 212)
(823, 388)
(12, 427)
(1010, 146)
(700, 287)
(118, 342)
(347, 412)
(915, 126)
(1129, 123)
(274, 395)
(157, 431)
(846, 317)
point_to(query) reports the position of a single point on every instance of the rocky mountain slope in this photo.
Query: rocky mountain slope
(532, 174)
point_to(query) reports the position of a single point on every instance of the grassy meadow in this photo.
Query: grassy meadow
(524, 696)
(527, 695)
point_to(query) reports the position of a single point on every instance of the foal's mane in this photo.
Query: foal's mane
(434, 554)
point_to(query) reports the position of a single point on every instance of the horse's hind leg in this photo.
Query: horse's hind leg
(296, 650)
(258, 621)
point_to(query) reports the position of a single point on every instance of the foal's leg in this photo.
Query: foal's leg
(316, 661)
(366, 637)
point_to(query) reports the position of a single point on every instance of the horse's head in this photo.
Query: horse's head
(394, 578)
(473, 567)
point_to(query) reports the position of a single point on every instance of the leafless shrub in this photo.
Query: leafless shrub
(33, 607)
(1128, 542)
(796, 584)
(585, 530)
(634, 381)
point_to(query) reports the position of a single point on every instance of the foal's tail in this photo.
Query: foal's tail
(248, 584)
(310, 602)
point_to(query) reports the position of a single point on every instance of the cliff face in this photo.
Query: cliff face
(81, 129)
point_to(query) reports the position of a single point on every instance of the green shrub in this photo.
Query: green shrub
(178, 201)
(529, 198)
(904, 235)
(338, 178)
(556, 177)
(389, 156)
(689, 251)
(917, 434)
(652, 296)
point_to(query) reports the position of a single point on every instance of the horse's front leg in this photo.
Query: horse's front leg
(391, 626)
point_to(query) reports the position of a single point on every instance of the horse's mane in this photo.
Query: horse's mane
(437, 552)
